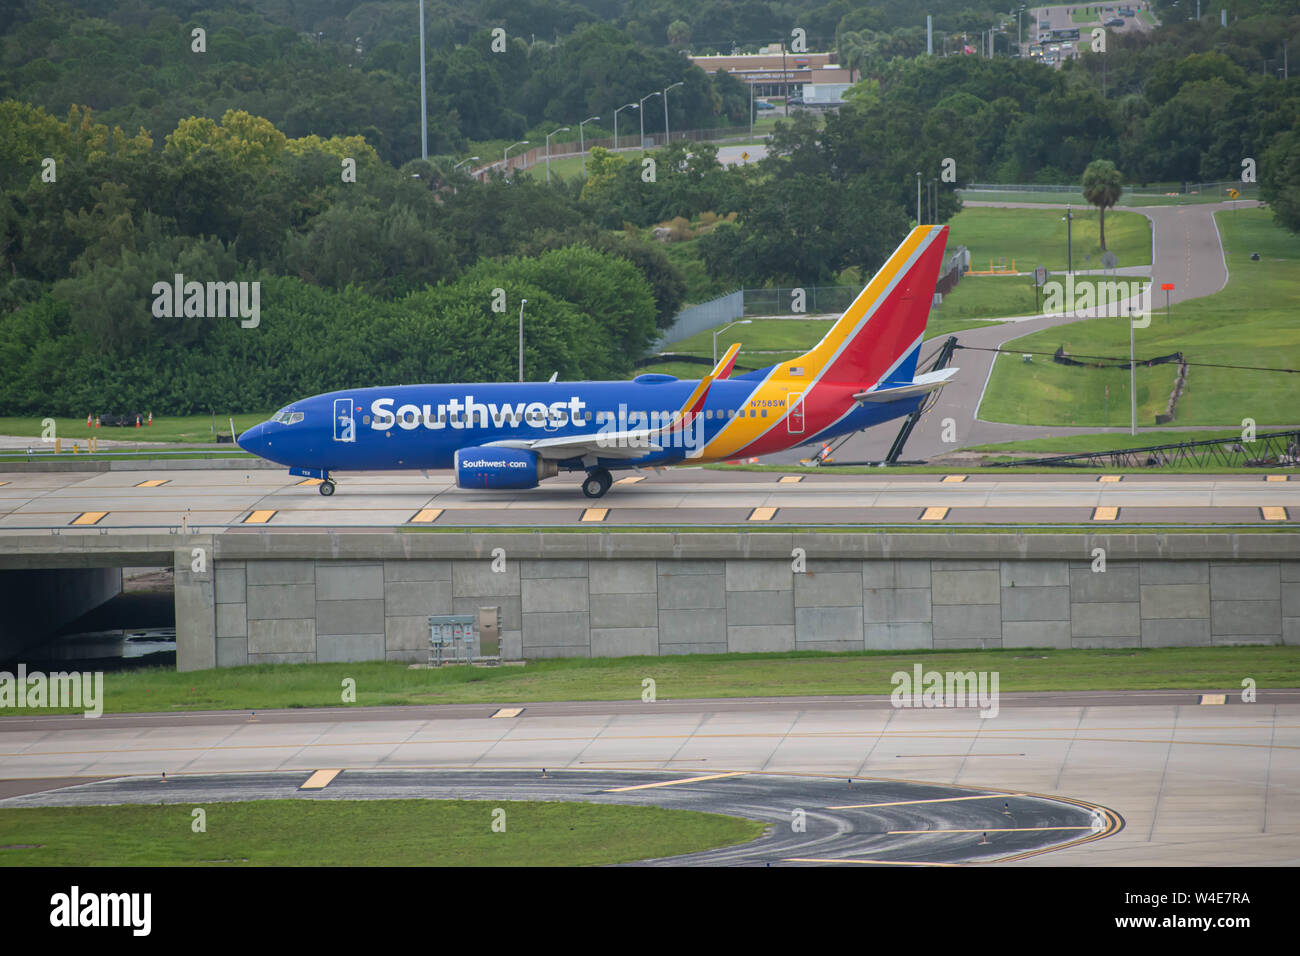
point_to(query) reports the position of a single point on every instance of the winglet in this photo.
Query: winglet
(695, 404)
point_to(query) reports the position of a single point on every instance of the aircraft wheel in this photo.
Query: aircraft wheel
(597, 483)
(326, 487)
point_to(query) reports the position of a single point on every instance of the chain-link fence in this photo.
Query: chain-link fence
(800, 300)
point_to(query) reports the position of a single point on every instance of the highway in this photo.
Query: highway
(72, 502)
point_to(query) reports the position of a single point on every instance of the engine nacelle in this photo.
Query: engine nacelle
(501, 469)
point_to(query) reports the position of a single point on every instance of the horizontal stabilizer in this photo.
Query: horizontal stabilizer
(921, 385)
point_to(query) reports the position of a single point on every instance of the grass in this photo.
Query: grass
(1032, 237)
(268, 686)
(362, 833)
(1086, 15)
(1147, 198)
(165, 428)
(1106, 441)
(1250, 323)
(986, 297)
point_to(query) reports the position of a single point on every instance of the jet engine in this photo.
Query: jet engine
(501, 469)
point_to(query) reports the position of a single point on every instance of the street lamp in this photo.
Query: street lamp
(562, 129)
(522, 303)
(629, 106)
(918, 198)
(463, 162)
(641, 104)
(505, 160)
(424, 115)
(723, 329)
(1069, 240)
(582, 143)
(667, 137)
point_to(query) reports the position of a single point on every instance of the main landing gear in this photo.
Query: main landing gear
(326, 487)
(597, 482)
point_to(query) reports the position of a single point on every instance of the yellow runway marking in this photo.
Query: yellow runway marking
(4, 482)
(952, 479)
(309, 482)
(320, 779)
(89, 517)
(1105, 513)
(425, 515)
(1266, 478)
(673, 783)
(509, 712)
(762, 514)
(630, 480)
(259, 517)
(909, 803)
(153, 483)
(934, 514)
(1110, 478)
(789, 479)
(595, 514)
(1214, 698)
(1273, 513)
(988, 830)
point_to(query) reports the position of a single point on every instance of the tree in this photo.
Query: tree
(1102, 186)
(679, 34)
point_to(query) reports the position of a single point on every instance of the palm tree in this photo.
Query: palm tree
(1102, 186)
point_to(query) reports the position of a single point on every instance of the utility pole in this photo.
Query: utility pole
(918, 198)
(667, 136)
(424, 116)
(522, 303)
(1132, 382)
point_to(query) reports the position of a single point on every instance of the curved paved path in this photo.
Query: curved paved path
(1187, 251)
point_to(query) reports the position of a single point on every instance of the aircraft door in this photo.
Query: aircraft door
(794, 413)
(344, 424)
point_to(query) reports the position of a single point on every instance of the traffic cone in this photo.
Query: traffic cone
(151, 418)
(137, 421)
(96, 421)
(88, 420)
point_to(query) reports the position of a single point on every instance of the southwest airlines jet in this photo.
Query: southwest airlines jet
(514, 435)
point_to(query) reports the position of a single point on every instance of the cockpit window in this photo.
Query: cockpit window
(286, 417)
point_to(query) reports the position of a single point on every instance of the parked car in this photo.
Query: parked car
(1115, 22)
(763, 105)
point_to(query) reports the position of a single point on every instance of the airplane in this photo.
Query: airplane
(512, 436)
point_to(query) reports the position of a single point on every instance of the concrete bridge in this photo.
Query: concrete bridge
(248, 597)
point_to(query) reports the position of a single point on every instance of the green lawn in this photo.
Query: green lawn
(1127, 199)
(165, 428)
(1086, 15)
(1000, 297)
(267, 686)
(362, 833)
(1106, 441)
(1032, 237)
(1251, 322)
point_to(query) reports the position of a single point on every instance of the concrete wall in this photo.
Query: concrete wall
(35, 603)
(247, 598)
(570, 595)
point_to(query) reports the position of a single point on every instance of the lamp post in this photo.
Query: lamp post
(582, 143)
(628, 106)
(522, 303)
(463, 162)
(505, 159)
(562, 129)
(641, 145)
(424, 122)
(723, 329)
(918, 198)
(667, 137)
(1069, 240)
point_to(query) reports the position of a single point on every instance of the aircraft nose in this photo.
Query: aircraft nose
(253, 440)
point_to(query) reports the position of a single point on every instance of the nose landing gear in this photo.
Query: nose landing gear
(326, 487)
(597, 482)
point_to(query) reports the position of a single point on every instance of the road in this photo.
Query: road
(1187, 251)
